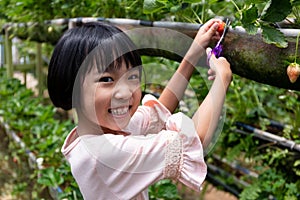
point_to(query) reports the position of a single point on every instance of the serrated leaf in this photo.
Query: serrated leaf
(168, 191)
(152, 6)
(251, 29)
(296, 3)
(273, 36)
(276, 10)
(249, 16)
(251, 192)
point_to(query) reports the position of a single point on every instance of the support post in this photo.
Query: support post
(39, 68)
(1, 51)
(8, 54)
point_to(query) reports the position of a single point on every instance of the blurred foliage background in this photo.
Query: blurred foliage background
(241, 163)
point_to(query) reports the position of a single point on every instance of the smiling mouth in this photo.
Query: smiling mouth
(119, 111)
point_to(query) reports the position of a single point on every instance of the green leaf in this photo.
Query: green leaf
(152, 6)
(168, 191)
(251, 192)
(174, 9)
(296, 168)
(164, 189)
(273, 36)
(296, 3)
(249, 18)
(276, 10)
(50, 177)
(250, 15)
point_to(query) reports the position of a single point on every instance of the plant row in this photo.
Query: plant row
(39, 126)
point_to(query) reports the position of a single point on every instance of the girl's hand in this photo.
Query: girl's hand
(211, 74)
(207, 32)
(219, 67)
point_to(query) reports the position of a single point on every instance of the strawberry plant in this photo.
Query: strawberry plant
(252, 15)
(35, 121)
(276, 167)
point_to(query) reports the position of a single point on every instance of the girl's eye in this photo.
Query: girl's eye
(106, 79)
(133, 77)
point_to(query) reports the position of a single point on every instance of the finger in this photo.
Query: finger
(211, 72)
(206, 26)
(211, 31)
(209, 53)
(208, 50)
(211, 78)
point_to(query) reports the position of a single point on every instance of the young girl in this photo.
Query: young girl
(120, 147)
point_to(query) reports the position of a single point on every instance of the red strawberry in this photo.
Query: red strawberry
(15, 160)
(293, 71)
(221, 27)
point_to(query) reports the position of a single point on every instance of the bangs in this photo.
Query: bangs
(112, 53)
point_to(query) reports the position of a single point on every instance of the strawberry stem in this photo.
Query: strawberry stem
(296, 51)
(238, 9)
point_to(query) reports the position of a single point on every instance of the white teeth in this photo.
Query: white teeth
(119, 111)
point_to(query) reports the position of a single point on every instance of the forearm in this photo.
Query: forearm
(207, 116)
(175, 88)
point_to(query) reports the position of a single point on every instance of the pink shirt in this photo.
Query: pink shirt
(160, 146)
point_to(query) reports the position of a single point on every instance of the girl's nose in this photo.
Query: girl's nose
(123, 90)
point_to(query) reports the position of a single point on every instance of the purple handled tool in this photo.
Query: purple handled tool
(217, 50)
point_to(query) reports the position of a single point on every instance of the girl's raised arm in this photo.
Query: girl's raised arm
(175, 88)
(208, 114)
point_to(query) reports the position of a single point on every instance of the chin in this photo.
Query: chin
(120, 125)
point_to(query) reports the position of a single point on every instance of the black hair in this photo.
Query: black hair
(108, 47)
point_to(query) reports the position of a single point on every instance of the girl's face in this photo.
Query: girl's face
(111, 98)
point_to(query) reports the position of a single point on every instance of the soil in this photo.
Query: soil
(212, 193)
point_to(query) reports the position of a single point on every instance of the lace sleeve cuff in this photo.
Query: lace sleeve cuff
(184, 160)
(173, 158)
